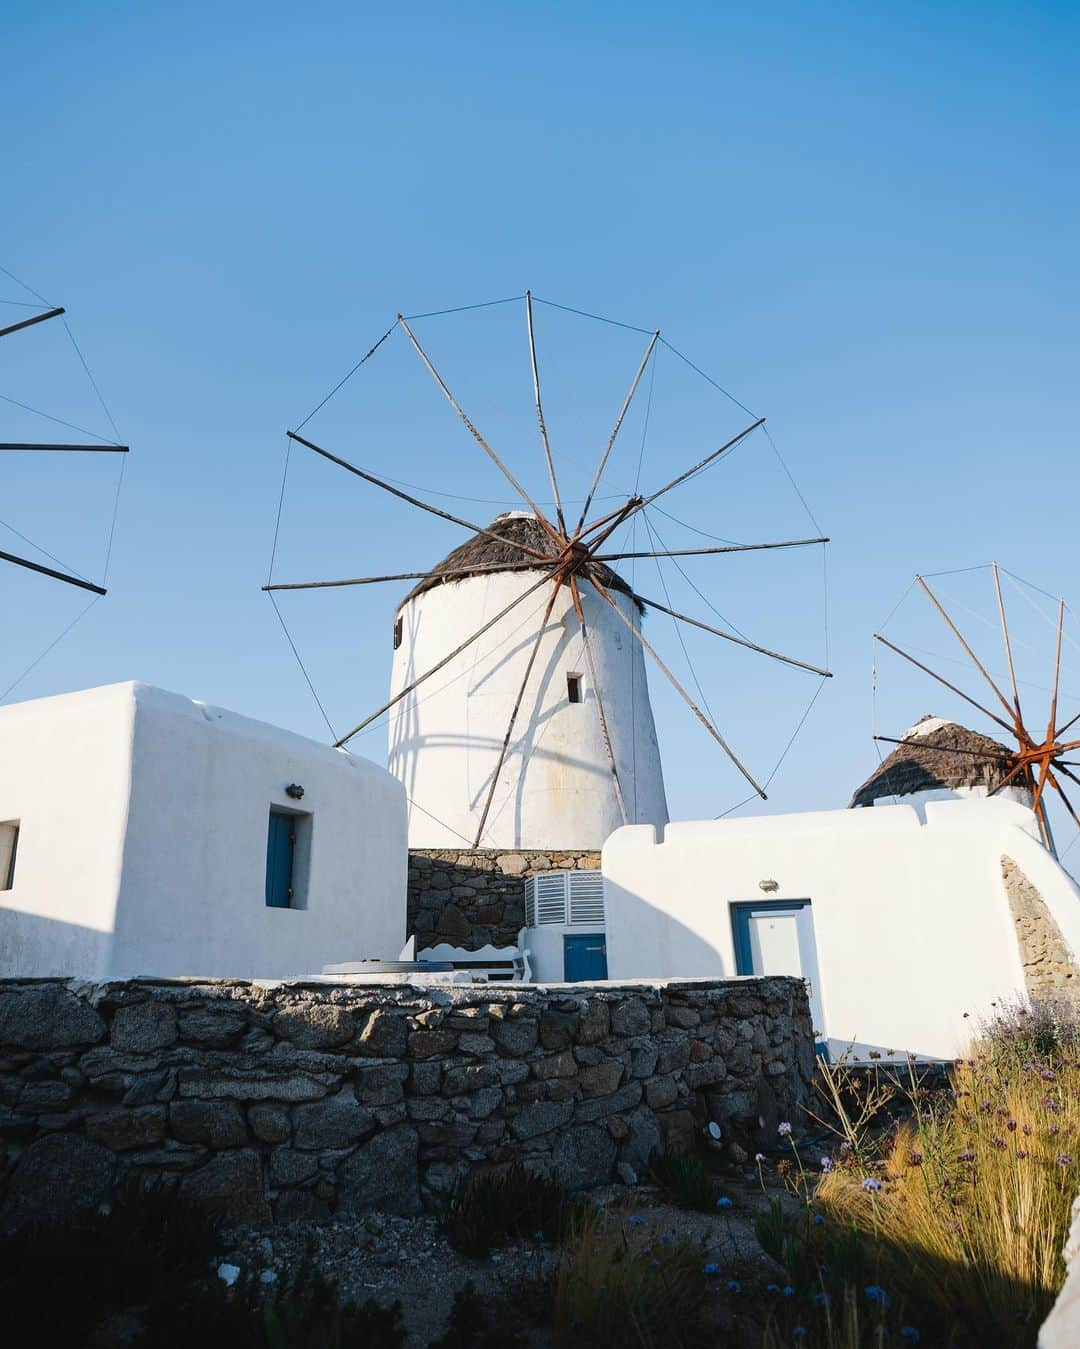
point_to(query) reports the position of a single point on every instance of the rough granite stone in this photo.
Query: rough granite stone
(333, 1123)
(143, 1027)
(55, 1177)
(314, 1025)
(47, 1016)
(583, 1156)
(217, 1124)
(383, 1174)
(231, 1186)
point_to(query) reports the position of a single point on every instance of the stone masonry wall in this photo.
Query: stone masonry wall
(1049, 968)
(282, 1101)
(477, 897)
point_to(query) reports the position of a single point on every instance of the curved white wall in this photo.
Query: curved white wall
(555, 789)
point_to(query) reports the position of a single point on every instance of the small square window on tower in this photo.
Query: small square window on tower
(397, 633)
(573, 688)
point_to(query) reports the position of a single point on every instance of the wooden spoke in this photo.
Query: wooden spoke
(739, 641)
(681, 691)
(540, 413)
(513, 715)
(1067, 803)
(413, 501)
(441, 664)
(11, 446)
(971, 654)
(541, 518)
(29, 323)
(17, 561)
(704, 552)
(952, 687)
(1019, 768)
(1057, 672)
(1044, 769)
(449, 572)
(1062, 729)
(702, 463)
(948, 749)
(1008, 643)
(618, 424)
(605, 734)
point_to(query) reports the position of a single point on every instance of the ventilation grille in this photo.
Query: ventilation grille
(587, 898)
(574, 898)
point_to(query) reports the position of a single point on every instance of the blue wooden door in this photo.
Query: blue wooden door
(584, 957)
(280, 844)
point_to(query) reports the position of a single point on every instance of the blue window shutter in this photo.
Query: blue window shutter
(279, 860)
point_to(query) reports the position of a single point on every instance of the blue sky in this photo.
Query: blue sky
(860, 219)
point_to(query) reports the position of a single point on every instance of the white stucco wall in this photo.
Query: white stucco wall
(911, 919)
(142, 843)
(555, 789)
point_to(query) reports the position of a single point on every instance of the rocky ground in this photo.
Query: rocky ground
(409, 1259)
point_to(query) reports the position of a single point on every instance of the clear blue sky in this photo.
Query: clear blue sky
(860, 218)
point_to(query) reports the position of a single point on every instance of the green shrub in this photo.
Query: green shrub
(683, 1177)
(491, 1208)
(58, 1282)
(300, 1311)
(476, 1324)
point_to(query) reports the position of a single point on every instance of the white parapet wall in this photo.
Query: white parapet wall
(911, 920)
(143, 821)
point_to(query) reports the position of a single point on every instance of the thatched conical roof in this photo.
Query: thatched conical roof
(515, 527)
(932, 757)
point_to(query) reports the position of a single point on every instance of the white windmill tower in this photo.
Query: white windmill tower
(583, 757)
(520, 713)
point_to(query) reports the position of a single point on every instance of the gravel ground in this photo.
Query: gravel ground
(408, 1259)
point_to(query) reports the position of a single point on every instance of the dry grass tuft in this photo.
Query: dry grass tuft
(627, 1284)
(966, 1205)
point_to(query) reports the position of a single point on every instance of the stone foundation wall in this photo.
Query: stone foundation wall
(477, 897)
(1049, 968)
(282, 1101)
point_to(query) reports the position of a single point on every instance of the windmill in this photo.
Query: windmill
(1039, 761)
(564, 559)
(45, 315)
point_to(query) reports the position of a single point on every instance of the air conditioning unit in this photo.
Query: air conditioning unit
(565, 898)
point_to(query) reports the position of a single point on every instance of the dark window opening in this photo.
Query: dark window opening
(397, 633)
(9, 843)
(573, 687)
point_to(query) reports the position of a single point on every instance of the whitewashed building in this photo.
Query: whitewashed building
(911, 920)
(142, 833)
(555, 789)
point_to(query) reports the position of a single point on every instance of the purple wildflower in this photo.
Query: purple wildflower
(1064, 1159)
(826, 1164)
(759, 1157)
(870, 1185)
(967, 1156)
(723, 1202)
(783, 1129)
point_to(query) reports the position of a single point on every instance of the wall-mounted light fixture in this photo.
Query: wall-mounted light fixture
(294, 791)
(770, 887)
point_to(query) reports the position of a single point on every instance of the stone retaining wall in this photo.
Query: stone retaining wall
(1049, 968)
(476, 897)
(290, 1100)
